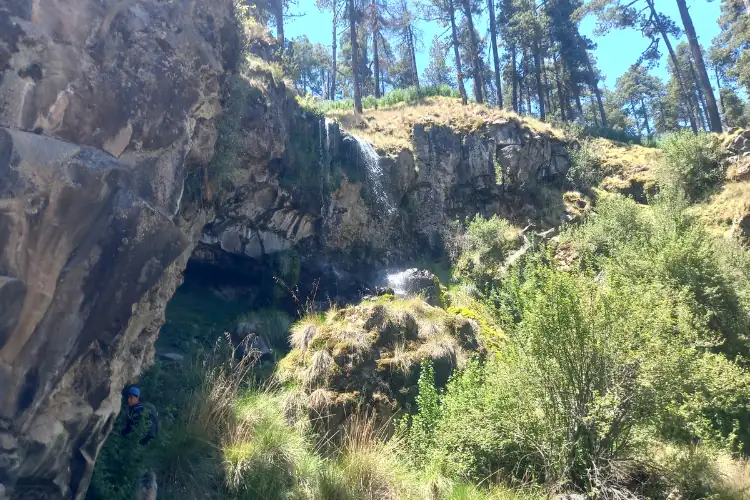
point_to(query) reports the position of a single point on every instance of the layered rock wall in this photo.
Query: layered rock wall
(102, 106)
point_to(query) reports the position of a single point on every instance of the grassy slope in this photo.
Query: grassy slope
(390, 128)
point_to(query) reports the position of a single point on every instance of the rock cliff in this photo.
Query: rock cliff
(114, 119)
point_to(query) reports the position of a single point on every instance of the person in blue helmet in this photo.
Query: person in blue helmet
(136, 411)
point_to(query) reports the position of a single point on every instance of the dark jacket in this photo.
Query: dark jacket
(134, 418)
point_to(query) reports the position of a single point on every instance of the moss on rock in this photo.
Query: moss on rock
(375, 348)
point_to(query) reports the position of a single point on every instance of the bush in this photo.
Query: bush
(663, 244)
(484, 247)
(691, 162)
(590, 368)
(585, 170)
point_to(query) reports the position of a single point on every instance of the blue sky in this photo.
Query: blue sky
(615, 52)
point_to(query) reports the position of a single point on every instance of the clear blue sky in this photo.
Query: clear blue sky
(615, 52)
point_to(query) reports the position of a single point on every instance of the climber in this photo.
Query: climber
(135, 414)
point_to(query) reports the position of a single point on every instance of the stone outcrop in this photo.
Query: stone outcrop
(371, 210)
(109, 149)
(368, 356)
(103, 106)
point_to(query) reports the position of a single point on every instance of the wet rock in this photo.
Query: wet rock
(413, 282)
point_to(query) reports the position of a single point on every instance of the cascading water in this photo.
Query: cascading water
(375, 174)
(397, 281)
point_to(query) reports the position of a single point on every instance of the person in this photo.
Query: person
(136, 409)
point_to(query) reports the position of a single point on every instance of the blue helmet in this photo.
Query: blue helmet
(134, 391)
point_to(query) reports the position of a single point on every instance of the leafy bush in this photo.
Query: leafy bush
(585, 169)
(586, 371)
(484, 247)
(663, 244)
(692, 162)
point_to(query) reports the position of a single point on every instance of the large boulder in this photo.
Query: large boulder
(368, 356)
(92, 265)
(416, 282)
(104, 107)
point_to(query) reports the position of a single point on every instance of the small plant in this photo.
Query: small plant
(585, 169)
(483, 248)
(692, 162)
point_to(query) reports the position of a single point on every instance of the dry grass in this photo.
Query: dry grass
(390, 129)
(304, 330)
(625, 164)
(367, 466)
(724, 209)
(318, 368)
(703, 472)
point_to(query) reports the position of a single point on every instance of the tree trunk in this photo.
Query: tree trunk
(514, 78)
(713, 112)
(526, 81)
(547, 89)
(413, 52)
(355, 59)
(635, 116)
(495, 57)
(718, 86)
(594, 84)
(702, 108)
(538, 75)
(675, 67)
(332, 91)
(456, 54)
(375, 57)
(645, 117)
(476, 66)
(278, 12)
(560, 96)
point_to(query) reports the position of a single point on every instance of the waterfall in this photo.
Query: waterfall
(375, 175)
(397, 281)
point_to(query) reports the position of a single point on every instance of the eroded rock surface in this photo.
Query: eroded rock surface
(103, 105)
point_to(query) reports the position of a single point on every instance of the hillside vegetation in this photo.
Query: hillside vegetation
(609, 360)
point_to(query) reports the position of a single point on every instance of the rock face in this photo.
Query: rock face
(103, 106)
(109, 113)
(367, 210)
(416, 282)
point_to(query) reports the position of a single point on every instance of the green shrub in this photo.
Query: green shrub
(590, 368)
(663, 244)
(585, 170)
(419, 429)
(691, 162)
(483, 248)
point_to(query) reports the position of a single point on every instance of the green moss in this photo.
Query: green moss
(321, 340)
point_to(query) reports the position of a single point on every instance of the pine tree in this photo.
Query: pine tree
(700, 68)
(439, 72)
(335, 7)
(409, 38)
(354, 58)
(495, 57)
(444, 12)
